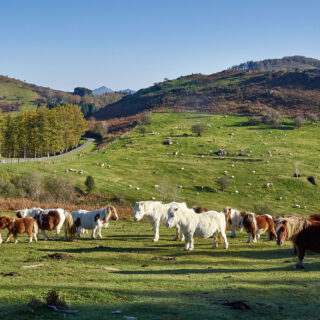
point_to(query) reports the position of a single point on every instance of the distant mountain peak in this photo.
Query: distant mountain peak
(101, 90)
(290, 63)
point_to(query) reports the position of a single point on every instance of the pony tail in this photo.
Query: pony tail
(70, 229)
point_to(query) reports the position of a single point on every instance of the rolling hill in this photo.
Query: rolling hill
(290, 85)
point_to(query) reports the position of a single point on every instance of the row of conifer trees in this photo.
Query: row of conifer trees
(41, 132)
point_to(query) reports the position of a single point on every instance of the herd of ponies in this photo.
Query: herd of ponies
(304, 232)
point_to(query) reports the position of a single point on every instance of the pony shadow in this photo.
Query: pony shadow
(103, 249)
(208, 270)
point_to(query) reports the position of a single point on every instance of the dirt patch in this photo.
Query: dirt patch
(59, 256)
(9, 274)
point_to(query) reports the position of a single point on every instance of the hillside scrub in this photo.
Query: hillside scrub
(41, 132)
(37, 187)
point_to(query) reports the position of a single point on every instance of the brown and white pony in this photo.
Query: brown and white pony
(49, 219)
(17, 226)
(255, 225)
(93, 220)
(307, 239)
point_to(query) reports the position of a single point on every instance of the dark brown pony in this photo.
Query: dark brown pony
(255, 225)
(288, 227)
(307, 239)
(17, 226)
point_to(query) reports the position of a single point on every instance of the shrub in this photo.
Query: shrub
(223, 183)
(142, 130)
(262, 209)
(7, 189)
(198, 129)
(89, 183)
(29, 184)
(299, 121)
(312, 117)
(272, 117)
(58, 189)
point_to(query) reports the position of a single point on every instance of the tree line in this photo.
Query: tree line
(41, 132)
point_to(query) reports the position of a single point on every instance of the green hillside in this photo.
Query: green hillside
(16, 94)
(260, 164)
(290, 85)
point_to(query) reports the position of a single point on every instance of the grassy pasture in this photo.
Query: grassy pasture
(138, 166)
(126, 271)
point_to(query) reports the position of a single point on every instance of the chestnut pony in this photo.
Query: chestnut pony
(255, 225)
(17, 226)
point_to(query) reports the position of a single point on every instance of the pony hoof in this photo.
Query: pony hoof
(300, 266)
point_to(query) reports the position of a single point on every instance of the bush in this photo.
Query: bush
(299, 121)
(272, 118)
(198, 129)
(89, 183)
(223, 183)
(29, 185)
(7, 189)
(58, 189)
(142, 130)
(312, 117)
(262, 209)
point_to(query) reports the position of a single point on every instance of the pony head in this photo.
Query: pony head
(138, 211)
(172, 216)
(282, 232)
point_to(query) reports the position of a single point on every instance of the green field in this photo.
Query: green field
(16, 92)
(138, 166)
(126, 271)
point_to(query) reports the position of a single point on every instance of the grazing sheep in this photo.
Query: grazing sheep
(203, 225)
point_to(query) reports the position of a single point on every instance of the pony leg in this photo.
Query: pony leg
(225, 240)
(233, 231)
(301, 253)
(99, 232)
(178, 233)
(10, 235)
(15, 239)
(191, 247)
(30, 238)
(215, 241)
(1, 238)
(94, 233)
(43, 232)
(187, 242)
(35, 237)
(156, 227)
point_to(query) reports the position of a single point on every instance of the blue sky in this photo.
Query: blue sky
(134, 43)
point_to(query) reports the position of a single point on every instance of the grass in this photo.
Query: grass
(12, 92)
(126, 271)
(138, 166)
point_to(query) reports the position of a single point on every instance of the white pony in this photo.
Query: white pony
(38, 212)
(93, 220)
(156, 212)
(233, 219)
(203, 225)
